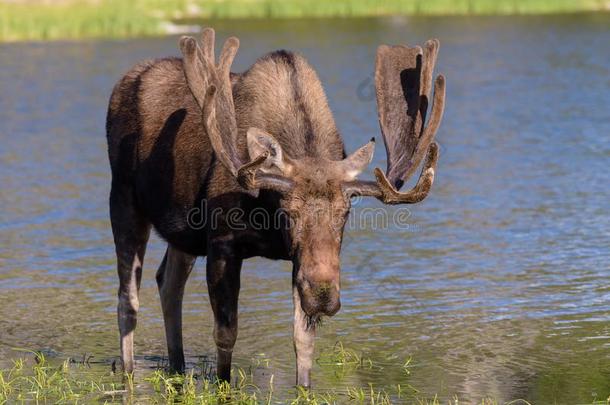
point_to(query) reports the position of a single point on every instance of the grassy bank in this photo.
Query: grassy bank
(73, 19)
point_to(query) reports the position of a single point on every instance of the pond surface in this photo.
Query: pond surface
(499, 286)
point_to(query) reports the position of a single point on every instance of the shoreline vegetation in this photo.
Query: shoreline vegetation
(35, 20)
(34, 378)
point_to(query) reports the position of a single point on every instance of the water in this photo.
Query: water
(498, 286)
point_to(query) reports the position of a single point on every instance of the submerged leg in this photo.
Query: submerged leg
(223, 286)
(171, 279)
(304, 334)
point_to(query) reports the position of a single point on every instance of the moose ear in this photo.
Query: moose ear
(355, 163)
(260, 142)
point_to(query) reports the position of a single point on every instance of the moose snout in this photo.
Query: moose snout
(319, 298)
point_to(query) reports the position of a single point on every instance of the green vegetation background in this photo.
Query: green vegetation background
(73, 19)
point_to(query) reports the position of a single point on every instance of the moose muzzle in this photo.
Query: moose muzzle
(319, 297)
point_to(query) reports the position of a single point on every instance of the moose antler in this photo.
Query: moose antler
(403, 80)
(210, 84)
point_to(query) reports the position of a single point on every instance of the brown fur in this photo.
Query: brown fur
(161, 157)
(168, 162)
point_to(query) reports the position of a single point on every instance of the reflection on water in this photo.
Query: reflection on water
(499, 286)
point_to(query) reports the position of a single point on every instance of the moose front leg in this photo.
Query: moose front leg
(223, 272)
(304, 333)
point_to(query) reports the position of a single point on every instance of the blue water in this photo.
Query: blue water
(498, 285)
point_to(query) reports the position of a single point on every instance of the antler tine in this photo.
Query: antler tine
(430, 53)
(246, 175)
(208, 36)
(438, 107)
(227, 55)
(200, 67)
(194, 69)
(389, 195)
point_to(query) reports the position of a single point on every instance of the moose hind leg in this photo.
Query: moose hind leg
(171, 279)
(223, 287)
(131, 232)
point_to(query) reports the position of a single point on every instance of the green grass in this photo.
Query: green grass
(74, 19)
(33, 379)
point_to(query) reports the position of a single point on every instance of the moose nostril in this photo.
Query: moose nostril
(324, 291)
(333, 307)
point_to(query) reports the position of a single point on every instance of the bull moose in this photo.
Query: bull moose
(186, 133)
